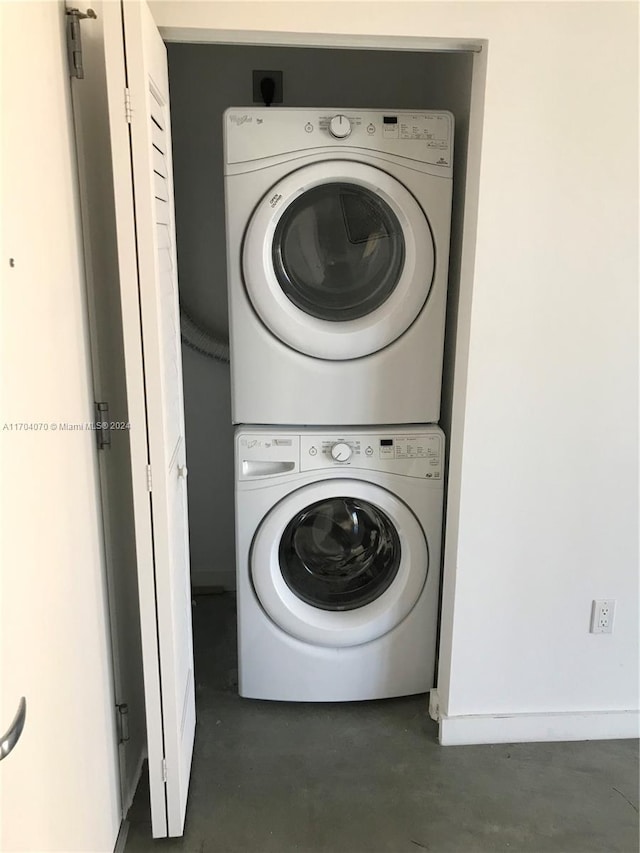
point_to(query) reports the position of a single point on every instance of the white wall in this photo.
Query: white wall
(546, 427)
(60, 785)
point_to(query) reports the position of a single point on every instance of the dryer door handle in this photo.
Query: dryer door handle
(256, 468)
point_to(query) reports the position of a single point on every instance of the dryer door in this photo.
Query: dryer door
(338, 259)
(339, 563)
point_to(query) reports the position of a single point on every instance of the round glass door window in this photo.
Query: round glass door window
(339, 554)
(338, 259)
(338, 251)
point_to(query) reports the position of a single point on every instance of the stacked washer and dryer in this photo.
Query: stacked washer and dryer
(337, 250)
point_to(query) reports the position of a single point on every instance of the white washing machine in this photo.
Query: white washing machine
(338, 536)
(337, 261)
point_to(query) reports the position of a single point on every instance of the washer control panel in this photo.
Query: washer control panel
(411, 453)
(417, 454)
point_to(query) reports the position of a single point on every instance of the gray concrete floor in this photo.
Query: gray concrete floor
(369, 777)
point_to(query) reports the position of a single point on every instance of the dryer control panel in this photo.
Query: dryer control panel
(256, 133)
(411, 453)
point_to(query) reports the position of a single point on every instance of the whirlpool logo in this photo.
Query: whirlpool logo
(240, 120)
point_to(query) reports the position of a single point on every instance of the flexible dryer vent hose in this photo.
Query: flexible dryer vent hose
(201, 340)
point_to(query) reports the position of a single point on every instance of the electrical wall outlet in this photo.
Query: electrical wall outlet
(275, 87)
(602, 612)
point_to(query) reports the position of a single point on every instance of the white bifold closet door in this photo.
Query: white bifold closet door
(148, 84)
(132, 80)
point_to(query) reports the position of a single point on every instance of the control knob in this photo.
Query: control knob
(341, 452)
(340, 127)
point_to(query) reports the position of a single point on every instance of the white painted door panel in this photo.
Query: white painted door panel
(59, 789)
(148, 84)
(109, 244)
(133, 251)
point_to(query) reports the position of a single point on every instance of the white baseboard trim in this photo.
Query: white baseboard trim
(209, 577)
(532, 728)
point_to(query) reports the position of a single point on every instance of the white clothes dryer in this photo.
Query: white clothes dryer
(338, 542)
(338, 229)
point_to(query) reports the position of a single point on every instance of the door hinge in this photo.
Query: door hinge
(128, 112)
(123, 722)
(149, 480)
(164, 770)
(103, 432)
(74, 41)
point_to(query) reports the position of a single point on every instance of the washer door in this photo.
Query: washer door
(339, 563)
(338, 259)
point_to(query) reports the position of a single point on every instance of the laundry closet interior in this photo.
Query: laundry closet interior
(205, 80)
(361, 475)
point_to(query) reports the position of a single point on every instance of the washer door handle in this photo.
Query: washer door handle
(11, 737)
